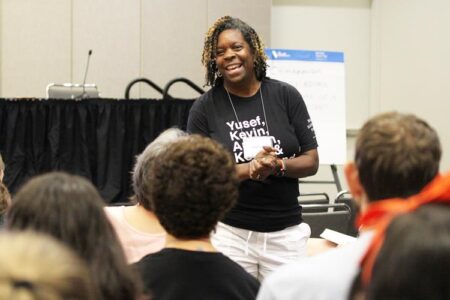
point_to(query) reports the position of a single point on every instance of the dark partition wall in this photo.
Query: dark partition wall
(95, 138)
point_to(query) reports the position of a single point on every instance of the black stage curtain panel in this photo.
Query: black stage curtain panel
(95, 138)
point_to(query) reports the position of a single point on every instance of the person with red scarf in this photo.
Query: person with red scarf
(396, 155)
(410, 237)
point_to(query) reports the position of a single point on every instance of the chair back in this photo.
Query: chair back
(332, 216)
(346, 198)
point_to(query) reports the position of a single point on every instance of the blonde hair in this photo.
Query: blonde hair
(37, 267)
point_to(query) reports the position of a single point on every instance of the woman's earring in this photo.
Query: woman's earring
(218, 74)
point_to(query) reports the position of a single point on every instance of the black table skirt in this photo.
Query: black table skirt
(94, 138)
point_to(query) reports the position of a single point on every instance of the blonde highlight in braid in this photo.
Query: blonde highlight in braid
(210, 45)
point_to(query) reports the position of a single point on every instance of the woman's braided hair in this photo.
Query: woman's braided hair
(209, 49)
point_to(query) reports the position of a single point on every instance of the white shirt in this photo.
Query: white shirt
(325, 276)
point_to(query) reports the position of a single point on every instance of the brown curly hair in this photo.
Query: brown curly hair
(396, 155)
(250, 36)
(194, 183)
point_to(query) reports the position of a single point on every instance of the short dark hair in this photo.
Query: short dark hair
(396, 155)
(210, 45)
(414, 260)
(69, 208)
(145, 160)
(194, 183)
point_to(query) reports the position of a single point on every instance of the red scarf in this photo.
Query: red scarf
(379, 214)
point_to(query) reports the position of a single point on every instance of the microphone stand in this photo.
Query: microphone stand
(83, 95)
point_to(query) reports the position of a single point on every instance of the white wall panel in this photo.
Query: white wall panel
(413, 47)
(332, 25)
(254, 12)
(172, 43)
(35, 40)
(111, 28)
(48, 41)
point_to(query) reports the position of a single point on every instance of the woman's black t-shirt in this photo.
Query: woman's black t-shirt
(270, 205)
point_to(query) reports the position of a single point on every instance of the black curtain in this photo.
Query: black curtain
(96, 138)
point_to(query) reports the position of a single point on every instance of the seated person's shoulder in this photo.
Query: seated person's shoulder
(113, 210)
(329, 273)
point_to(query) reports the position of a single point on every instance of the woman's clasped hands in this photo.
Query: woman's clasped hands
(264, 164)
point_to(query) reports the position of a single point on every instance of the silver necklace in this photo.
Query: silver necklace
(262, 103)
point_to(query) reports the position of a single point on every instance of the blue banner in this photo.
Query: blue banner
(305, 55)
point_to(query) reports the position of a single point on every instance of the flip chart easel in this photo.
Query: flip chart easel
(319, 76)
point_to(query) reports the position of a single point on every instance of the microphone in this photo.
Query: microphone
(83, 95)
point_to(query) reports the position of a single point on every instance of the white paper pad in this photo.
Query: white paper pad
(337, 237)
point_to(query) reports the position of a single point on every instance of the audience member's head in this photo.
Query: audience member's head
(70, 209)
(5, 201)
(193, 185)
(396, 155)
(145, 160)
(2, 168)
(37, 267)
(414, 260)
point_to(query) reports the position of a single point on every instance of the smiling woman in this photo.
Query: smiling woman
(234, 60)
(242, 39)
(266, 125)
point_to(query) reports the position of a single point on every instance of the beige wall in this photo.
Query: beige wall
(35, 46)
(332, 26)
(410, 62)
(395, 55)
(48, 41)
